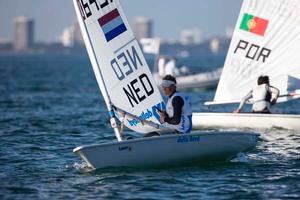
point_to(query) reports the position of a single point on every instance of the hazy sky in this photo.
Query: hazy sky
(169, 16)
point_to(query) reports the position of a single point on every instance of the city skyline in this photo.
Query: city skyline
(171, 17)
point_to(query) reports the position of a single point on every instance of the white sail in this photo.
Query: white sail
(150, 45)
(266, 41)
(118, 63)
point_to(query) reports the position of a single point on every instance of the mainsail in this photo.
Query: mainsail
(266, 41)
(120, 68)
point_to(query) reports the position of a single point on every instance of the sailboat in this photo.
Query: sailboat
(266, 41)
(203, 80)
(132, 100)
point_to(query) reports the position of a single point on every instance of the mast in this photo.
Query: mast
(97, 71)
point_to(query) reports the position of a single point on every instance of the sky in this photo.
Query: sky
(169, 16)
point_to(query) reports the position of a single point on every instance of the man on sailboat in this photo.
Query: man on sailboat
(178, 114)
(170, 67)
(161, 65)
(263, 96)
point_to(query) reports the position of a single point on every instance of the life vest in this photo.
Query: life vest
(261, 97)
(185, 124)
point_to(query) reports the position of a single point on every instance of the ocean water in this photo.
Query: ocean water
(51, 104)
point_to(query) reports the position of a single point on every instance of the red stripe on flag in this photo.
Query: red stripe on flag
(260, 27)
(108, 17)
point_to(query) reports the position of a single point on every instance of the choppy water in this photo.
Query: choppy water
(50, 105)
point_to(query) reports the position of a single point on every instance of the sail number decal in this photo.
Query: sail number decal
(124, 64)
(252, 51)
(85, 6)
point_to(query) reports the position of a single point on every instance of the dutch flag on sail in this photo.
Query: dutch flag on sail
(112, 24)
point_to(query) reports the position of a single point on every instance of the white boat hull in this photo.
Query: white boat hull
(245, 120)
(167, 149)
(195, 81)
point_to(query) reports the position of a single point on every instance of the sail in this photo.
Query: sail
(266, 41)
(120, 68)
(150, 45)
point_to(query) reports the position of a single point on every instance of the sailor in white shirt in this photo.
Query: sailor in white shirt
(263, 96)
(170, 67)
(178, 113)
(161, 65)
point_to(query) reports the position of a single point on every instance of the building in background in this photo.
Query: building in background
(67, 38)
(229, 32)
(191, 36)
(71, 36)
(142, 28)
(77, 35)
(214, 45)
(23, 33)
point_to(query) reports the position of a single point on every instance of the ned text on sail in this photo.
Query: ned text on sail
(125, 63)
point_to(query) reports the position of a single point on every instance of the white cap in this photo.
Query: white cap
(167, 83)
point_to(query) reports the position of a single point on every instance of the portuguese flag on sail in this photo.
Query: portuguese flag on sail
(254, 24)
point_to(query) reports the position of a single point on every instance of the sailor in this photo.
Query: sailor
(263, 96)
(161, 65)
(170, 67)
(178, 114)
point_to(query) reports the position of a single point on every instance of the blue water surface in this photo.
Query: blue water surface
(51, 104)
